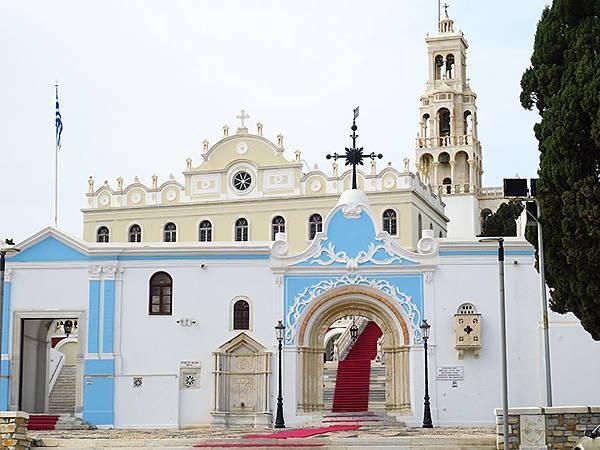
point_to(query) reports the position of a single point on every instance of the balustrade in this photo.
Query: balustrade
(344, 343)
(444, 141)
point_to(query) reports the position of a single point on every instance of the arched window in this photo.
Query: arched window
(426, 128)
(467, 124)
(241, 315)
(277, 226)
(439, 63)
(170, 232)
(444, 119)
(420, 225)
(161, 294)
(205, 231)
(430, 226)
(440, 234)
(448, 183)
(241, 230)
(315, 225)
(135, 233)
(390, 222)
(450, 66)
(103, 235)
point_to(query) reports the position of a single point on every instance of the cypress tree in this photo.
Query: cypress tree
(563, 84)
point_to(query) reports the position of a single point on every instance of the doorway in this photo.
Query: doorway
(47, 363)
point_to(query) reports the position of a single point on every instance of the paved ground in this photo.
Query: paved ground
(206, 433)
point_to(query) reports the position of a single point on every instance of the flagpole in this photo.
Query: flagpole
(56, 168)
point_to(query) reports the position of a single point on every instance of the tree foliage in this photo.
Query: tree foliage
(503, 221)
(563, 84)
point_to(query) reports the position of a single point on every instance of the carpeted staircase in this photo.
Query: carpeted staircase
(353, 373)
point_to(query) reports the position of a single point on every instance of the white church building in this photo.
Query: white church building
(164, 314)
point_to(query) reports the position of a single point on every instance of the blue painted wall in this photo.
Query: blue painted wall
(5, 369)
(109, 316)
(99, 391)
(94, 316)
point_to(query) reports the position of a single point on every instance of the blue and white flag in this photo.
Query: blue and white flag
(58, 121)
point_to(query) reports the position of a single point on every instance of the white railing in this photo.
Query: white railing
(344, 343)
(57, 360)
(445, 141)
(492, 192)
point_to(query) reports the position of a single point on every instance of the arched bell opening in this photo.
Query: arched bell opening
(340, 309)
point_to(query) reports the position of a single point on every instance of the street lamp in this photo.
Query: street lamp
(6, 246)
(500, 242)
(427, 423)
(279, 422)
(353, 330)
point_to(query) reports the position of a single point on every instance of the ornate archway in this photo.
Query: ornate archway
(358, 301)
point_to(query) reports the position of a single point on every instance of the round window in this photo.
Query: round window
(242, 180)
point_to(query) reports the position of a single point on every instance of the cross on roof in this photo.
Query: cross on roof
(242, 116)
(354, 156)
(446, 6)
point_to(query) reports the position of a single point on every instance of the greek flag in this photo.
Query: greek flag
(356, 112)
(58, 121)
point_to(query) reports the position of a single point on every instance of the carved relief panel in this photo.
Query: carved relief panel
(467, 327)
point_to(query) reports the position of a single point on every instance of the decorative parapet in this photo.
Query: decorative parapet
(546, 428)
(491, 193)
(13, 429)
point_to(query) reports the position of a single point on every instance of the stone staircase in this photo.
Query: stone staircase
(376, 386)
(62, 397)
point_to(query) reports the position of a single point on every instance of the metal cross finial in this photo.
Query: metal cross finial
(446, 6)
(242, 116)
(354, 156)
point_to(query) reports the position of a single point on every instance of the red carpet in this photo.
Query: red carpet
(303, 432)
(41, 422)
(353, 374)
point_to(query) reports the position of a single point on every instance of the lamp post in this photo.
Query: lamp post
(540, 236)
(353, 330)
(3, 252)
(500, 242)
(427, 423)
(279, 422)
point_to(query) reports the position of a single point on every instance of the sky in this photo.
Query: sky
(143, 83)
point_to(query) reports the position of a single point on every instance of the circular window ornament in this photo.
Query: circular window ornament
(104, 200)
(171, 195)
(242, 148)
(315, 186)
(389, 182)
(242, 181)
(136, 197)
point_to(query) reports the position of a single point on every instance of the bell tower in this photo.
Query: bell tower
(448, 152)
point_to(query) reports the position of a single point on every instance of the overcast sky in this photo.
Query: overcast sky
(143, 83)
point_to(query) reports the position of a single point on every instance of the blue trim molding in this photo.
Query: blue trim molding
(5, 318)
(4, 377)
(94, 316)
(52, 249)
(99, 391)
(109, 316)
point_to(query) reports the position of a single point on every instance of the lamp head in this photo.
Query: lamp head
(279, 330)
(425, 329)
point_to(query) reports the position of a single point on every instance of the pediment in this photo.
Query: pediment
(242, 344)
(51, 244)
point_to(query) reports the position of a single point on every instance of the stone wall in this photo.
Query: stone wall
(546, 428)
(13, 429)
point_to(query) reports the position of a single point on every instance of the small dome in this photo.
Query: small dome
(351, 196)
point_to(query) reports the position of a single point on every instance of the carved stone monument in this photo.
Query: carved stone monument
(242, 378)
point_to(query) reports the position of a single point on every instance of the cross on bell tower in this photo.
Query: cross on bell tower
(354, 156)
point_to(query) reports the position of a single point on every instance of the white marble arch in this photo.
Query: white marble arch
(358, 301)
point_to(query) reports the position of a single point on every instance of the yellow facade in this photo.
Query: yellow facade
(276, 186)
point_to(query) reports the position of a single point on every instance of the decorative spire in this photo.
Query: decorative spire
(445, 24)
(354, 156)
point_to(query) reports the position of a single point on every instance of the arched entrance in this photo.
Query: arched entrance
(353, 301)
